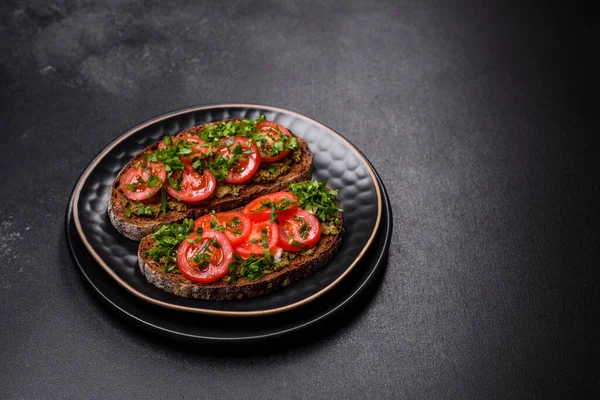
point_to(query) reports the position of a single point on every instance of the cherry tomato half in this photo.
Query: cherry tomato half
(299, 231)
(259, 209)
(144, 182)
(249, 158)
(193, 186)
(236, 226)
(216, 254)
(273, 132)
(254, 242)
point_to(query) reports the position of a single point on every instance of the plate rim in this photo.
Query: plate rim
(104, 152)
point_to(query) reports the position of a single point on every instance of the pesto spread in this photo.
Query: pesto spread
(225, 189)
(153, 209)
(269, 172)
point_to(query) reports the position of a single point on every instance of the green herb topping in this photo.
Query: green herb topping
(169, 156)
(253, 267)
(213, 135)
(218, 162)
(164, 202)
(152, 182)
(316, 198)
(219, 130)
(278, 145)
(139, 209)
(294, 242)
(304, 228)
(274, 206)
(168, 237)
(204, 254)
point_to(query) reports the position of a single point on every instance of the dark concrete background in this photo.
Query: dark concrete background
(479, 119)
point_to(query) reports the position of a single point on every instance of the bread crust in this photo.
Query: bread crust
(136, 228)
(300, 267)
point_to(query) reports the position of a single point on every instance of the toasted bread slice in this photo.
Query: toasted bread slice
(303, 265)
(136, 227)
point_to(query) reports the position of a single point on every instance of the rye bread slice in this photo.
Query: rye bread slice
(136, 227)
(300, 267)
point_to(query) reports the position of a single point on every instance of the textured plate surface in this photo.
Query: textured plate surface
(342, 302)
(335, 160)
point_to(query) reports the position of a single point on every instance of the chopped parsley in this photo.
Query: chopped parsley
(253, 267)
(164, 202)
(132, 186)
(139, 209)
(274, 206)
(294, 242)
(170, 157)
(168, 237)
(153, 181)
(304, 228)
(215, 226)
(264, 241)
(219, 130)
(144, 209)
(317, 199)
(272, 146)
(203, 256)
(220, 164)
(233, 226)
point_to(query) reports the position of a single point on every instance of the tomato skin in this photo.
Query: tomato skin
(252, 209)
(224, 218)
(246, 168)
(271, 128)
(197, 149)
(219, 265)
(143, 193)
(247, 248)
(290, 228)
(194, 187)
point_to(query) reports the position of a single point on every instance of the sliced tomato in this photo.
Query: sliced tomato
(254, 243)
(299, 231)
(235, 225)
(142, 182)
(259, 209)
(198, 149)
(273, 132)
(219, 254)
(193, 186)
(248, 154)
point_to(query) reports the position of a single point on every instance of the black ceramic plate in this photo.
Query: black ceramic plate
(343, 301)
(335, 160)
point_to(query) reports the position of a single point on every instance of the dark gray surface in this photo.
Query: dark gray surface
(479, 120)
